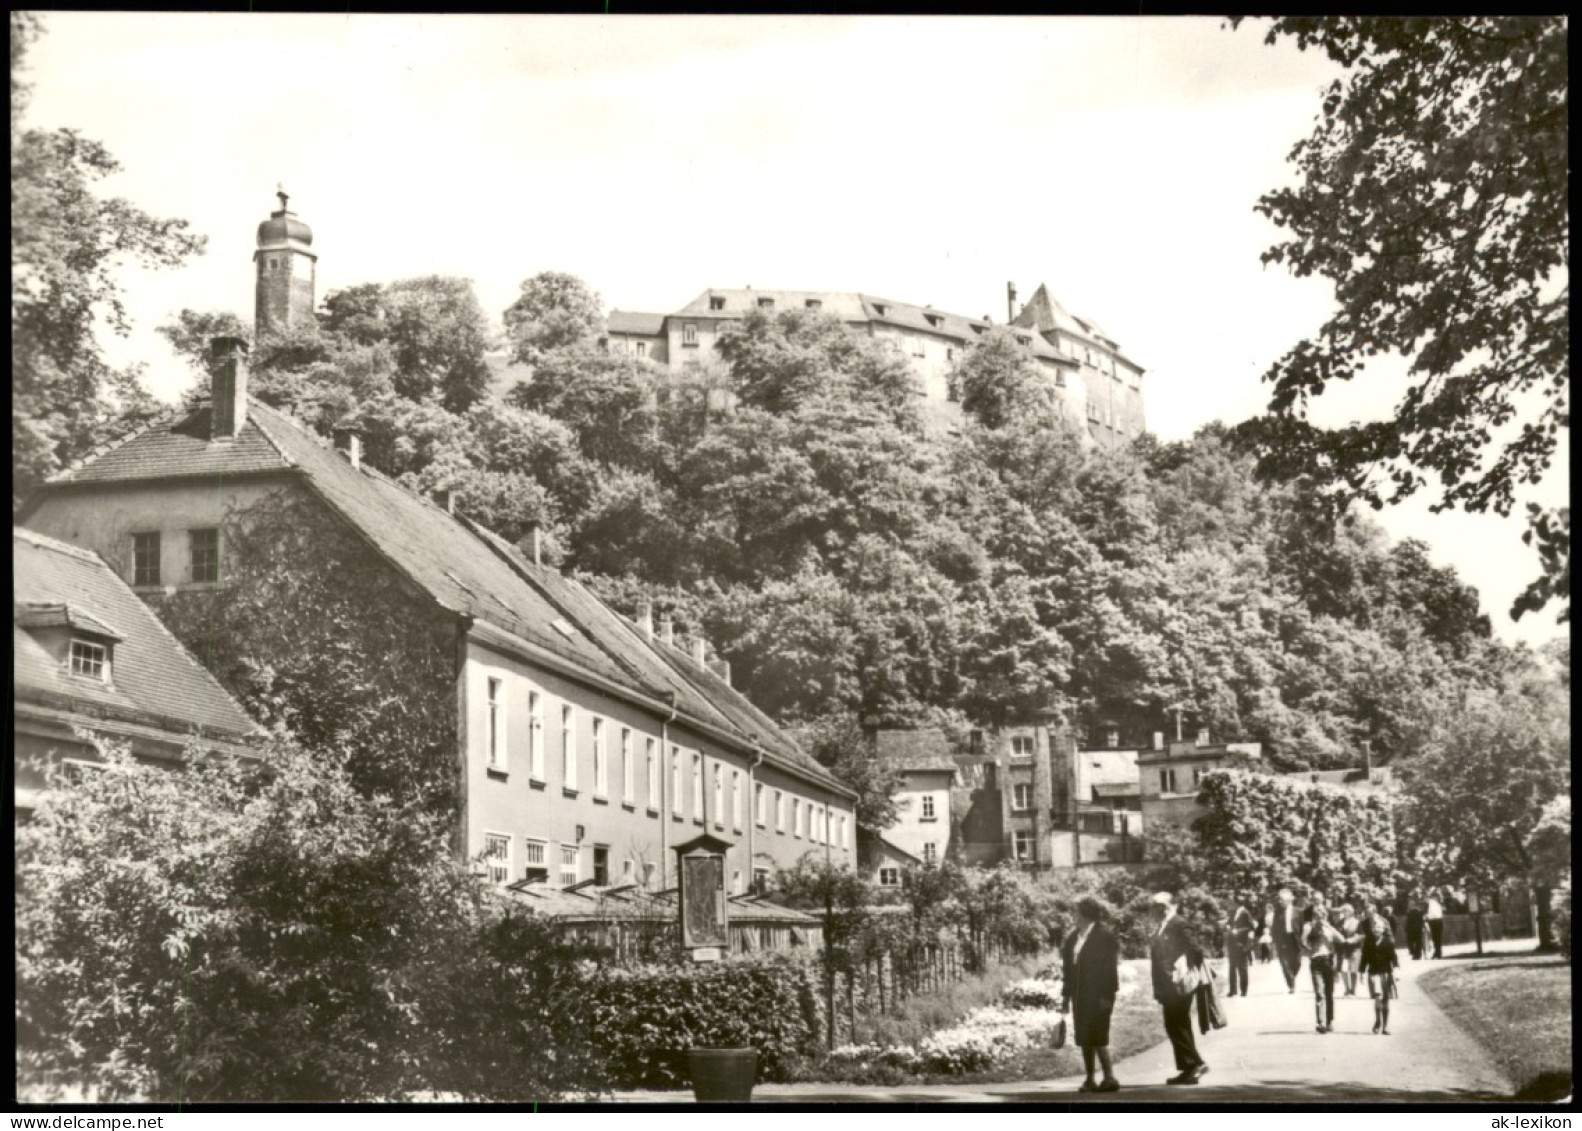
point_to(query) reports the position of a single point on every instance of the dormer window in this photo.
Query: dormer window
(716, 302)
(880, 309)
(814, 304)
(766, 304)
(90, 660)
(978, 328)
(935, 319)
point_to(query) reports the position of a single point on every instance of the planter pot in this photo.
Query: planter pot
(723, 1075)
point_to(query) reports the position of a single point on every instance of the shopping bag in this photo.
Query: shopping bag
(1057, 1036)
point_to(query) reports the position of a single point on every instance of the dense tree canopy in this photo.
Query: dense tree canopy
(68, 244)
(1434, 194)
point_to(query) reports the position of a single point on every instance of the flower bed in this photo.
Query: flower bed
(1026, 1016)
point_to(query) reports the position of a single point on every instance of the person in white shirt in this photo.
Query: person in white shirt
(1434, 916)
(1320, 942)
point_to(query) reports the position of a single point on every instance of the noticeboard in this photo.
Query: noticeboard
(703, 901)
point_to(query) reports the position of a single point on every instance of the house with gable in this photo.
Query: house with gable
(582, 746)
(89, 657)
(922, 834)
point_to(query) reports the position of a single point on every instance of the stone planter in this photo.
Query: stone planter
(723, 1075)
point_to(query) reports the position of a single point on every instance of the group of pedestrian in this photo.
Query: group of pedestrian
(1425, 926)
(1342, 947)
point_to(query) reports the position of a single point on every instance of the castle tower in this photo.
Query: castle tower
(286, 267)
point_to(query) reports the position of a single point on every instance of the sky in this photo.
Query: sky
(929, 160)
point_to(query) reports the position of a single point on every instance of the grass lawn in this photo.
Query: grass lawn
(1519, 1009)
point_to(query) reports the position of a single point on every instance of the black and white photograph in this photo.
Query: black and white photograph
(630, 562)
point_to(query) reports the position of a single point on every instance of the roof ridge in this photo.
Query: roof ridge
(100, 450)
(274, 443)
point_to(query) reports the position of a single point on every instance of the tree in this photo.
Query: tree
(999, 386)
(1476, 795)
(554, 310)
(68, 246)
(841, 745)
(190, 331)
(260, 930)
(1434, 194)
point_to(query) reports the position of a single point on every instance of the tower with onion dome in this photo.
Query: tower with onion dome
(286, 268)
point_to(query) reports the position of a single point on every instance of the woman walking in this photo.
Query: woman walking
(1319, 940)
(1090, 961)
(1350, 940)
(1377, 958)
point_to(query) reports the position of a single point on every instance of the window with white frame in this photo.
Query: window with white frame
(760, 804)
(496, 726)
(678, 804)
(535, 736)
(719, 795)
(568, 747)
(1022, 795)
(796, 817)
(569, 869)
(1021, 746)
(780, 811)
(736, 800)
(1022, 844)
(538, 858)
(497, 857)
(90, 660)
(889, 877)
(928, 807)
(697, 787)
(601, 761)
(628, 776)
(652, 761)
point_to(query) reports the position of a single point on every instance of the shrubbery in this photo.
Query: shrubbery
(261, 931)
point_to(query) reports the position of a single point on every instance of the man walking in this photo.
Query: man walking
(1238, 945)
(1414, 927)
(1170, 943)
(1285, 930)
(1434, 916)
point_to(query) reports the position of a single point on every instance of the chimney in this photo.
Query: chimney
(538, 544)
(667, 629)
(349, 442)
(700, 652)
(645, 620)
(722, 668)
(1159, 740)
(446, 497)
(228, 392)
(1010, 302)
(1202, 736)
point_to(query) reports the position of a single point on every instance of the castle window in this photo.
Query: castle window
(928, 807)
(90, 660)
(814, 304)
(145, 558)
(1022, 746)
(1022, 796)
(766, 304)
(1022, 844)
(716, 302)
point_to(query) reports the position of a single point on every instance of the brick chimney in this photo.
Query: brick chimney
(721, 668)
(228, 391)
(645, 620)
(537, 536)
(349, 442)
(700, 652)
(446, 497)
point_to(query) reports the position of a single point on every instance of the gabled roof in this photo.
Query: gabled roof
(153, 678)
(926, 749)
(844, 305)
(634, 322)
(472, 573)
(177, 445)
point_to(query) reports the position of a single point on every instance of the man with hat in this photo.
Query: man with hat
(1172, 942)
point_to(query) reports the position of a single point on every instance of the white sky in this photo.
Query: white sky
(929, 160)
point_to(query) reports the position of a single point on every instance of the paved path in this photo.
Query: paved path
(1269, 1053)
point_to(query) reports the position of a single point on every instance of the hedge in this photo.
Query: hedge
(645, 1018)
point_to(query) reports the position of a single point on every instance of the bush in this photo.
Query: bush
(260, 931)
(1562, 923)
(645, 1018)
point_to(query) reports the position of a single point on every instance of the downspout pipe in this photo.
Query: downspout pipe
(666, 774)
(752, 813)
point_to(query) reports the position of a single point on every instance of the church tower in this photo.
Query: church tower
(286, 267)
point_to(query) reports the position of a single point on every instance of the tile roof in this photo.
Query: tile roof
(927, 749)
(621, 901)
(152, 675)
(178, 445)
(634, 322)
(57, 615)
(472, 572)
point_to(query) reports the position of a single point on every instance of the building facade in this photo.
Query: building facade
(923, 832)
(1095, 384)
(586, 745)
(87, 654)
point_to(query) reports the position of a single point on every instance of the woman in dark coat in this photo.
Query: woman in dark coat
(1091, 978)
(1377, 959)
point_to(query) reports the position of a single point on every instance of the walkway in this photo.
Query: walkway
(1269, 1053)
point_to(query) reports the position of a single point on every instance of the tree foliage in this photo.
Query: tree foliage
(261, 931)
(1434, 194)
(553, 311)
(69, 245)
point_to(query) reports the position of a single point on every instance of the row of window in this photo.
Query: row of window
(808, 820)
(203, 556)
(537, 854)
